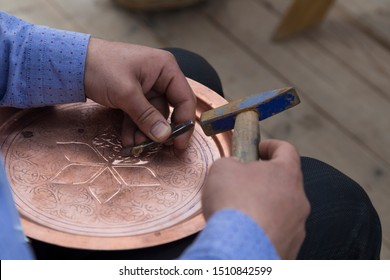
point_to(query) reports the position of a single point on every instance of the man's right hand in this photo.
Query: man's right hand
(270, 191)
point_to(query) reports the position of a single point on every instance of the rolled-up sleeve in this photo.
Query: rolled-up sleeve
(39, 65)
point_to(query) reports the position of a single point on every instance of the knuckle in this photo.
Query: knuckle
(292, 151)
(165, 57)
(194, 98)
(168, 57)
(292, 162)
(293, 169)
(147, 115)
(222, 165)
(218, 164)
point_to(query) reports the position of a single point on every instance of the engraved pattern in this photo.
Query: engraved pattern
(67, 173)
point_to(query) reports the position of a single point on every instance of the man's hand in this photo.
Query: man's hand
(270, 191)
(142, 82)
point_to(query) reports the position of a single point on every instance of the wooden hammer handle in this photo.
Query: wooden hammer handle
(246, 136)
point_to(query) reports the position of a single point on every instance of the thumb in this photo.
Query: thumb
(148, 119)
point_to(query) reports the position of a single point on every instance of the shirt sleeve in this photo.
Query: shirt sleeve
(39, 65)
(13, 242)
(231, 235)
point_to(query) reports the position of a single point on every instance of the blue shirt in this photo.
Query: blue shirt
(41, 66)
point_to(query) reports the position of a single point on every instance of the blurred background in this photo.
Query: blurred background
(341, 68)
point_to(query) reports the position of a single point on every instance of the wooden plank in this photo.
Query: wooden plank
(321, 136)
(301, 15)
(153, 5)
(372, 16)
(385, 252)
(191, 31)
(333, 87)
(15, 5)
(361, 54)
(38, 12)
(104, 19)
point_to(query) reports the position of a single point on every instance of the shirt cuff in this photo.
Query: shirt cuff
(230, 234)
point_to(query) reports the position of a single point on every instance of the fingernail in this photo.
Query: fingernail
(160, 130)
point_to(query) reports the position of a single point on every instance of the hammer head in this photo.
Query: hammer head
(266, 104)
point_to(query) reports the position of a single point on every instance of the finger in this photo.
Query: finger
(131, 135)
(148, 119)
(278, 150)
(183, 111)
(139, 137)
(160, 103)
(128, 132)
(181, 97)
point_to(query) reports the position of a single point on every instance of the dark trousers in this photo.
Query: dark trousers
(343, 223)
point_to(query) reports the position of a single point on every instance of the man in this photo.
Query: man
(253, 211)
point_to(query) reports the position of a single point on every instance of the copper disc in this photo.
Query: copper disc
(73, 188)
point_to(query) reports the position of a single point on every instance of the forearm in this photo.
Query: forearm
(230, 234)
(40, 66)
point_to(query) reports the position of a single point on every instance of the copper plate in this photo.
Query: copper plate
(73, 188)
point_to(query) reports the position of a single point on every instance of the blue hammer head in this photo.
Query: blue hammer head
(266, 104)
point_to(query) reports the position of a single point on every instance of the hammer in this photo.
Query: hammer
(244, 115)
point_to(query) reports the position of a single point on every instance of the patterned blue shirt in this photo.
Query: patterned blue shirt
(41, 66)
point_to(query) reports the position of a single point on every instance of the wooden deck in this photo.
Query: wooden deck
(341, 69)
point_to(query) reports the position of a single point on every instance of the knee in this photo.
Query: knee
(343, 223)
(329, 190)
(196, 67)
